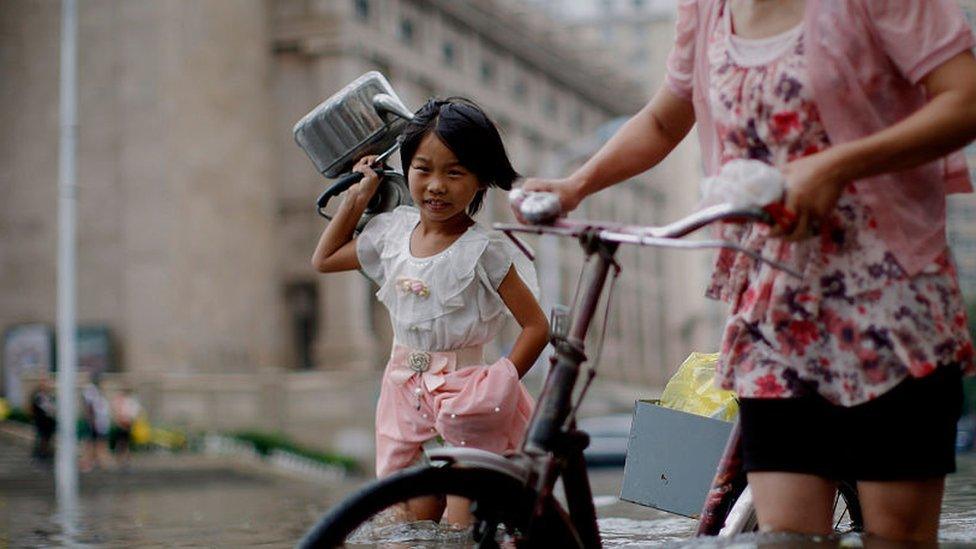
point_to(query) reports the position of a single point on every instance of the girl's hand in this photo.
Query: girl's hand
(813, 185)
(336, 250)
(369, 183)
(567, 189)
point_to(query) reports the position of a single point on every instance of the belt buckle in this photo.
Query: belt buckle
(418, 361)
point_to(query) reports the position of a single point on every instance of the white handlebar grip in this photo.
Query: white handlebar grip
(536, 208)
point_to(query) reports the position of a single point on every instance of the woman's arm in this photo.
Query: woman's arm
(639, 145)
(336, 250)
(535, 328)
(946, 123)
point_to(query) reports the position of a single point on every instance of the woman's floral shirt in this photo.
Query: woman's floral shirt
(856, 324)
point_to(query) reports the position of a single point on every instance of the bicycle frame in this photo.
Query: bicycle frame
(553, 447)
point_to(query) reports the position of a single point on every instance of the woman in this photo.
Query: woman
(854, 371)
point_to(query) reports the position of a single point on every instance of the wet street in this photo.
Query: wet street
(193, 500)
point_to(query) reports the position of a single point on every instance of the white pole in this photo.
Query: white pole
(67, 462)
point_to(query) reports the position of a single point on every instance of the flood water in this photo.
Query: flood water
(192, 501)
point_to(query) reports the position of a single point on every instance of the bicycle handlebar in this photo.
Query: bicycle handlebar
(543, 210)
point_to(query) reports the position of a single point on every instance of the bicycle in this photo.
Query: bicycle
(512, 496)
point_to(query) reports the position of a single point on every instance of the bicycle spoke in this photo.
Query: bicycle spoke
(834, 511)
(845, 513)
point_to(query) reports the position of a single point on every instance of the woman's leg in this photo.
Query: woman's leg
(426, 508)
(902, 511)
(788, 462)
(793, 502)
(458, 511)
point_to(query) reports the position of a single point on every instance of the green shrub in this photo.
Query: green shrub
(19, 415)
(969, 383)
(265, 443)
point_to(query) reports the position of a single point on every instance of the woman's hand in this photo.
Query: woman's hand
(813, 185)
(567, 189)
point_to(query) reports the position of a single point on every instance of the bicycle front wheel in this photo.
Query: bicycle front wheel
(502, 511)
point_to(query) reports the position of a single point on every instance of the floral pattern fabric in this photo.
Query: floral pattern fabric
(856, 324)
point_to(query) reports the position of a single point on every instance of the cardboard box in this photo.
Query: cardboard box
(672, 457)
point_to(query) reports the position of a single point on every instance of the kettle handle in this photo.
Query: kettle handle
(341, 185)
(336, 189)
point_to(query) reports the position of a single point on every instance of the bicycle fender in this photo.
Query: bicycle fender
(472, 457)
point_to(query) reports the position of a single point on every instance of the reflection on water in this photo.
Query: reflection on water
(625, 532)
(423, 533)
(221, 507)
(959, 508)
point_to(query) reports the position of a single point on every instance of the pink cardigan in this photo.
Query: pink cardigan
(867, 58)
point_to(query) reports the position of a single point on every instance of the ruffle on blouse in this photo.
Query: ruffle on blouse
(477, 256)
(369, 246)
(499, 255)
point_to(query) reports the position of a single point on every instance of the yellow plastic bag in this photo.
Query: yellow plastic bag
(168, 438)
(692, 389)
(141, 430)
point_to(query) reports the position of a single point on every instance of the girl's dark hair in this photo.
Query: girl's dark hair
(465, 129)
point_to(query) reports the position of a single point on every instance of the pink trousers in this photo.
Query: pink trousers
(451, 394)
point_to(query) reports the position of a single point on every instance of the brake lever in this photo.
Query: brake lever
(668, 242)
(521, 245)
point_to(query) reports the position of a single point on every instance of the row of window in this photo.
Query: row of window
(449, 52)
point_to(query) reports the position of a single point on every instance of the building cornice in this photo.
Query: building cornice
(537, 46)
(532, 42)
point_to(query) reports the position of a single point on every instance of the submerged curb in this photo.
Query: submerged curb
(223, 446)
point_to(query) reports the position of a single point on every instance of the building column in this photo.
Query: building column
(345, 338)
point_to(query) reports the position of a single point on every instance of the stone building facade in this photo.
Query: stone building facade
(542, 94)
(176, 214)
(662, 314)
(195, 206)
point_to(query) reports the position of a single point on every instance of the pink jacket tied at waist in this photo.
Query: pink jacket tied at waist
(867, 58)
(450, 394)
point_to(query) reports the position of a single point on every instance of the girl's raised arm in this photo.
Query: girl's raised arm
(535, 327)
(336, 250)
(638, 146)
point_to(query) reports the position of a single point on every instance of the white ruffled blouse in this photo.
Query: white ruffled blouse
(446, 301)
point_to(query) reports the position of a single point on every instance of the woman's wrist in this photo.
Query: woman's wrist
(577, 186)
(845, 164)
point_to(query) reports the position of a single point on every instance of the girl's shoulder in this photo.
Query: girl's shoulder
(497, 255)
(406, 212)
(387, 224)
(382, 239)
(399, 216)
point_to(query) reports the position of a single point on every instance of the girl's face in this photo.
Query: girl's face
(440, 186)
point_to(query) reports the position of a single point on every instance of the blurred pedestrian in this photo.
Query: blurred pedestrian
(854, 371)
(98, 420)
(44, 413)
(125, 411)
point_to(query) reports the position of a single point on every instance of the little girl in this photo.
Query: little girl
(448, 284)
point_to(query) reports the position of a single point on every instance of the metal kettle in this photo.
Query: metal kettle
(364, 118)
